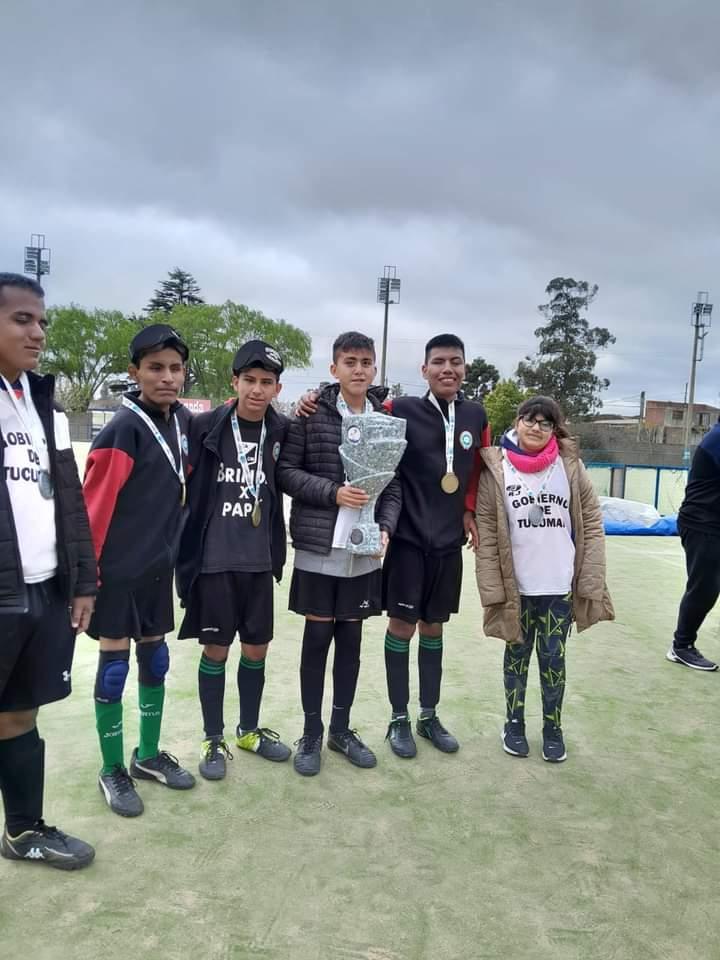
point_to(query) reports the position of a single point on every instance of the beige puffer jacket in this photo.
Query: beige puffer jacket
(494, 562)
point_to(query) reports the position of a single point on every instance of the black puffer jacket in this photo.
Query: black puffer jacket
(77, 567)
(311, 472)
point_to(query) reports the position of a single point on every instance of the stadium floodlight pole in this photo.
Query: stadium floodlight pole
(700, 319)
(388, 291)
(37, 257)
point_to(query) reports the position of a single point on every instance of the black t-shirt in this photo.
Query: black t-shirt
(231, 541)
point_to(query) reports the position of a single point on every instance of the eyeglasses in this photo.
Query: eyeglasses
(545, 425)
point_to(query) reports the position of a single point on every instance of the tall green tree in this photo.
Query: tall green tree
(84, 348)
(180, 288)
(480, 378)
(564, 365)
(214, 332)
(501, 405)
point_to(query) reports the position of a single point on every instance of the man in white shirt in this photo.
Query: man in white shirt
(48, 574)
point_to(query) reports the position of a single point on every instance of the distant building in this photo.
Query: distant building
(666, 420)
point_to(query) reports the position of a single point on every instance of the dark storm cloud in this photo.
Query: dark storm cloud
(285, 151)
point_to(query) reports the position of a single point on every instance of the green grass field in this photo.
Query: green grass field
(613, 854)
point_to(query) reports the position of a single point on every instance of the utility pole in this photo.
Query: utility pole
(388, 291)
(700, 320)
(642, 413)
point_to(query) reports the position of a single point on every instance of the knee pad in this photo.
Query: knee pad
(112, 671)
(153, 661)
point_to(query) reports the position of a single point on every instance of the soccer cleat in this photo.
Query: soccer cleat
(349, 743)
(399, 735)
(163, 768)
(307, 756)
(212, 759)
(690, 657)
(553, 745)
(435, 732)
(118, 788)
(513, 739)
(44, 844)
(264, 742)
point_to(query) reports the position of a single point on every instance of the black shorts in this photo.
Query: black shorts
(421, 586)
(134, 610)
(338, 598)
(223, 604)
(36, 650)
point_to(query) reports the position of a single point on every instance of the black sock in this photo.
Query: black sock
(316, 643)
(211, 687)
(250, 681)
(22, 774)
(430, 651)
(346, 667)
(397, 672)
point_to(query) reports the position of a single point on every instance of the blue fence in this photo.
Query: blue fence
(662, 487)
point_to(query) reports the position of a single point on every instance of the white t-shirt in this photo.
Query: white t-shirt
(543, 555)
(25, 454)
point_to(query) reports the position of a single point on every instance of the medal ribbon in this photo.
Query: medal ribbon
(242, 458)
(449, 424)
(164, 446)
(30, 420)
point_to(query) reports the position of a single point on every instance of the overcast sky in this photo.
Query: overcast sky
(283, 152)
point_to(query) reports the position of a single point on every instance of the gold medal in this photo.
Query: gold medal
(256, 515)
(450, 483)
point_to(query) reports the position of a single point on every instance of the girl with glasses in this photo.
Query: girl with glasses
(540, 562)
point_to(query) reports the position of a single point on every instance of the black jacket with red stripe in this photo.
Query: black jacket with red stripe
(430, 518)
(133, 494)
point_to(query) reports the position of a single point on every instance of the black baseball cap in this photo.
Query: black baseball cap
(156, 336)
(257, 353)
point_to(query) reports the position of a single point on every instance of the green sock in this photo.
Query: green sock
(150, 702)
(109, 723)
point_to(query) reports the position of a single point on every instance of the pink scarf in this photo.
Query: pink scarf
(531, 462)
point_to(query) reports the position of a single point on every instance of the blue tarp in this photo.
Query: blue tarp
(664, 527)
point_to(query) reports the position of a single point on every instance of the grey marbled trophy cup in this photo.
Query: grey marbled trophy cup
(372, 445)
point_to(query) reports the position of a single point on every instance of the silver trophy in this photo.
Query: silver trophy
(372, 445)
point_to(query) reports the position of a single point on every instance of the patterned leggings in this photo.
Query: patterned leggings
(546, 623)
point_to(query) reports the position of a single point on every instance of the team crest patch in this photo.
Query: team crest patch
(466, 439)
(184, 443)
(276, 450)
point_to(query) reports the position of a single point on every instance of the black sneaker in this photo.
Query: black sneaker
(435, 732)
(163, 768)
(212, 759)
(44, 844)
(399, 734)
(118, 788)
(265, 743)
(690, 657)
(553, 745)
(349, 743)
(307, 756)
(513, 739)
